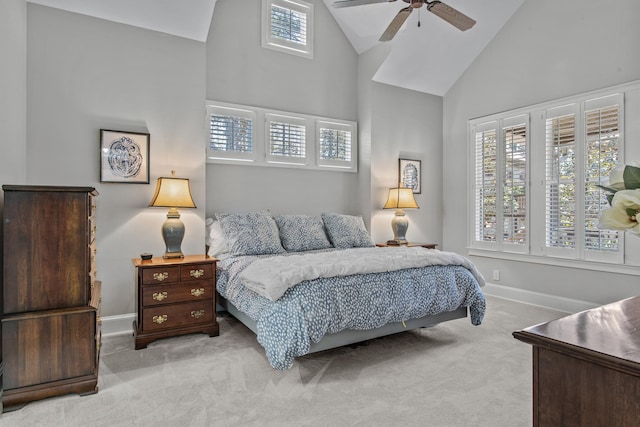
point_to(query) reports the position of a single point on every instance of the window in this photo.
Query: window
(287, 139)
(230, 133)
(486, 184)
(582, 146)
(335, 144)
(265, 137)
(514, 182)
(537, 172)
(288, 26)
(500, 212)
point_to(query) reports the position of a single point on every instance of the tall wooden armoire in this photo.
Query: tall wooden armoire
(51, 300)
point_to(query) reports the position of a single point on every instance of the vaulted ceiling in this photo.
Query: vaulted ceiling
(427, 58)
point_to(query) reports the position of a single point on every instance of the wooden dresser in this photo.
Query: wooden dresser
(175, 297)
(586, 367)
(51, 300)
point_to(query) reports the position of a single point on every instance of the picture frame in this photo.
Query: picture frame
(124, 157)
(410, 174)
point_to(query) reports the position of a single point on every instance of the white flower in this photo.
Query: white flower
(616, 180)
(618, 217)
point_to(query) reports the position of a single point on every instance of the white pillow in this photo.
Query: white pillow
(215, 238)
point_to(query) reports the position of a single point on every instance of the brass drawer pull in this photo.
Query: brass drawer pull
(160, 319)
(196, 273)
(197, 314)
(159, 296)
(160, 276)
(197, 292)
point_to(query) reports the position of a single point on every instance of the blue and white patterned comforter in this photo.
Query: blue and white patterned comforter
(313, 308)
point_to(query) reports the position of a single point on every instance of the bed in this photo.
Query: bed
(305, 283)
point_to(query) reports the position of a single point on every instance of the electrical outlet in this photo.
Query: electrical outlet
(496, 275)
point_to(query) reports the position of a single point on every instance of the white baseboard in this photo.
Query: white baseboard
(553, 302)
(118, 325)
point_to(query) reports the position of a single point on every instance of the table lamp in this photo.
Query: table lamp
(400, 198)
(172, 193)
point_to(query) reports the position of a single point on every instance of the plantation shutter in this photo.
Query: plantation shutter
(231, 133)
(514, 183)
(486, 185)
(286, 139)
(602, 142)
(336, 144)
(560, 181)
(288, 25)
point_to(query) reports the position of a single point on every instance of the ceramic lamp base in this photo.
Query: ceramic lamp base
(399, 225)
(173, 233)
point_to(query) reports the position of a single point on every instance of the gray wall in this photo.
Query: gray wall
(241, 71)
(84, 74)
(335, 83)
(13, 91)
(406, 124)
(582, 46)
(394, 123)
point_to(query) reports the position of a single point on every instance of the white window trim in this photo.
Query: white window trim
(260, 155)
(538, 252)
(276, 43)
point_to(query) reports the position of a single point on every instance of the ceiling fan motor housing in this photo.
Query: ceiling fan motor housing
(415, 3)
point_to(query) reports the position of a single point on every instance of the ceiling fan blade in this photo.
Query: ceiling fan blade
(348, 3)
(395, 24)
(451, 15)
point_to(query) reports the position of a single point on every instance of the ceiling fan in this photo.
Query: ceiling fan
(449, 14)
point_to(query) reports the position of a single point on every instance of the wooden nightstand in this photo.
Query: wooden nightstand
(424, 245)
(175, 297)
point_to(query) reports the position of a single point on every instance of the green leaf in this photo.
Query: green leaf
(609, 189)
(631, 176)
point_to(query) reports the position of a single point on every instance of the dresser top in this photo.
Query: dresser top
(159, 261)
(49, 188)
(612, 330)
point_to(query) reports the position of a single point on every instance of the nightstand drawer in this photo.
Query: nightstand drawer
(160, 275)
(196, 272)
(169, 316)
(171, 293)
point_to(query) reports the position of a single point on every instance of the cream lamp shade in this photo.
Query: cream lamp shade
(400, 198)
(172, 193)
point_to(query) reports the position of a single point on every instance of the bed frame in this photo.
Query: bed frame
(352, 336)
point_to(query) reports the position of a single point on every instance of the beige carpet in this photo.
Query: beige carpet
(454, 374)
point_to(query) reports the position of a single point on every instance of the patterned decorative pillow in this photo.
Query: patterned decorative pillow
(346, 231)
(253, 233)
(302, 232)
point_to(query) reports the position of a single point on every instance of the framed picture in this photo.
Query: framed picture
(124, 157)
(410, 174)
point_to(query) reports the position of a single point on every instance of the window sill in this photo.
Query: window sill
(559, 262)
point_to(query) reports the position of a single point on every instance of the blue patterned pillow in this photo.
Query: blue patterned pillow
(253, 233)
(302, 232)
(346, 231)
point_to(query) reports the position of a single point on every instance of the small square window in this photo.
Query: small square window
(288, 26)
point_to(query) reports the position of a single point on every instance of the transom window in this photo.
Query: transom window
(288, 26)
(265, 137)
